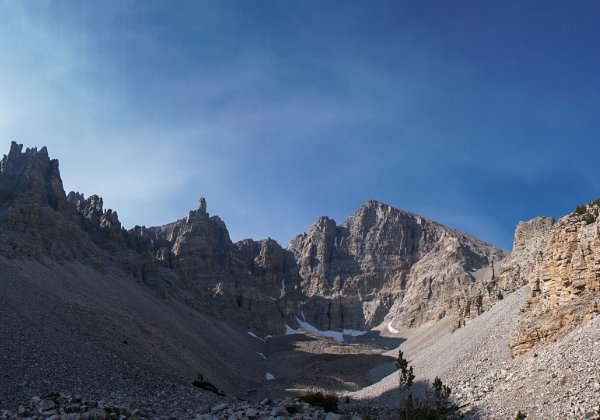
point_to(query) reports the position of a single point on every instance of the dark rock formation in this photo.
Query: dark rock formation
(34, 214)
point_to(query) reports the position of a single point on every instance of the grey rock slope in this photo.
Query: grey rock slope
(560, 381)
(70, 327)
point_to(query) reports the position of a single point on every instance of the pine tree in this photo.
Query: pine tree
(406, 375)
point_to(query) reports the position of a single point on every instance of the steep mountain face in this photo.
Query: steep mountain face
(387, 264)
(564, 279)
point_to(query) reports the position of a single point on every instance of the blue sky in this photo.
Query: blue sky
(478, 114)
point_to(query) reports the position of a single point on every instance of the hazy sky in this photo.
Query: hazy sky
(478, 114)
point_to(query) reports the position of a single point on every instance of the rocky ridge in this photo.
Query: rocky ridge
(380, 264)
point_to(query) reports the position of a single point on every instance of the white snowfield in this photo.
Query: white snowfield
(336, 335)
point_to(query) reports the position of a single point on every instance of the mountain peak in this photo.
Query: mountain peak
(30, 177)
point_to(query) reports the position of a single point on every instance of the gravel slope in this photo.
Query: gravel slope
(73, 329)
(560, 381)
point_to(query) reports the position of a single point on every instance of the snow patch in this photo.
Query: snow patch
(336, 335)
(335, 243)
(289, 330)
(251, 334)
(269, 377)
(392, 329)
(282, 290)
(261, 355)
(354, 333)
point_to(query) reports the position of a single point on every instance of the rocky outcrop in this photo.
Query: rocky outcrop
(196, 246)
(35, 217)
(58, 405)
(103, 226)
(564, 281)
(387, 264)
(525, 259)
(245, 282)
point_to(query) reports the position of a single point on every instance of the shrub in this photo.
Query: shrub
(520, 416)
(582, 209)
(436, 404)
(588, 218)
(500, 295)
(327, 402)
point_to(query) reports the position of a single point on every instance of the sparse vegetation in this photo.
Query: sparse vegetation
(520, 416)
(582, 209)
(588, 218)
(435, 405)
(587, 211)
(327, 402)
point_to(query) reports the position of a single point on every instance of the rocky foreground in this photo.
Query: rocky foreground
(57, 406)
(557, 381)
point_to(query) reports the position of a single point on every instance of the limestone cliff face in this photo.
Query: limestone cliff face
(525, 259)
(564, 281)
(387, 264)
